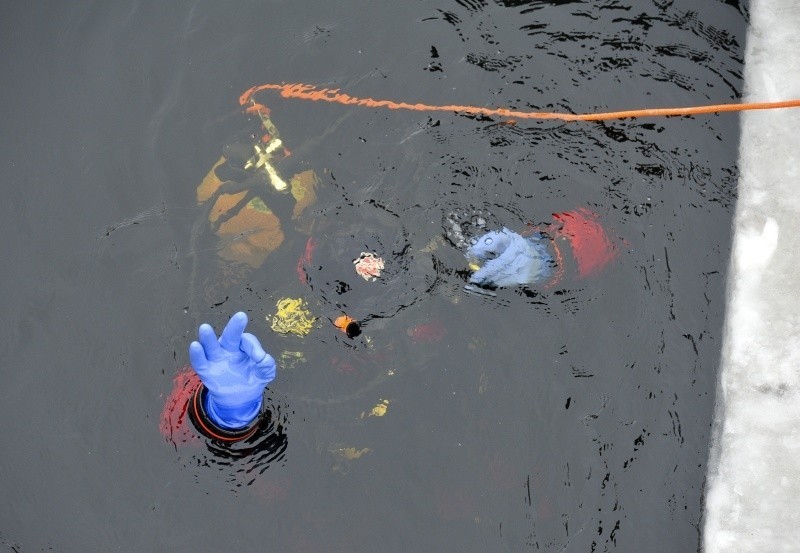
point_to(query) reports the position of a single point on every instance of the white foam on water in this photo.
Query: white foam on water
(753, 488)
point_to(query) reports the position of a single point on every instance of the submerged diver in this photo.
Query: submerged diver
(255, 195)
(361, 274)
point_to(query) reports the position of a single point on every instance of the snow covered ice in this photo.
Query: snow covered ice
(753, 488)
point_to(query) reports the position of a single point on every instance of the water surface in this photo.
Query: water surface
(574, 418)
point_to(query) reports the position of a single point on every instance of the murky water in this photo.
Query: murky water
(567, 417)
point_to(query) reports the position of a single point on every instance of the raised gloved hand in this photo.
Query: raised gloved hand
(509, 259)
(235, 370)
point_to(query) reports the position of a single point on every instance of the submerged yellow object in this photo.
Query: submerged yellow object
(290, 359)
(378, 411)
(247, 229)
(350, 453)
(292, 317)
(304, 190)
(210, 182)
(250, 235)
(261, 159)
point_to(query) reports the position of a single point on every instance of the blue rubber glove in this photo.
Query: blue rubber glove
(235, 369)
(509, 259)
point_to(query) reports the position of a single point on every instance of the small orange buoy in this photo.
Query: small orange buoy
(348, 325)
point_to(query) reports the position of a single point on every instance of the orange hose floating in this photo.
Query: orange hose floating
(302, 91)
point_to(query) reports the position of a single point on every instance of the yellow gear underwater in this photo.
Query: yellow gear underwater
(240, 190)
(293, 317)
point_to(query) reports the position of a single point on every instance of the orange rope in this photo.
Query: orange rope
(310, 92)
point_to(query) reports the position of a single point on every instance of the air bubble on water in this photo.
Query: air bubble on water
(477, 221)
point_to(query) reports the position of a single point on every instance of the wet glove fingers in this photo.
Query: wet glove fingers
(232, 334)
(197, 357)
(208, 339)
(251, 346)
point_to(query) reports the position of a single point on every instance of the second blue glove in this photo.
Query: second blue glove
(509, 259)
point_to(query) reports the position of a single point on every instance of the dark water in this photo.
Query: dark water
(569, 419)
